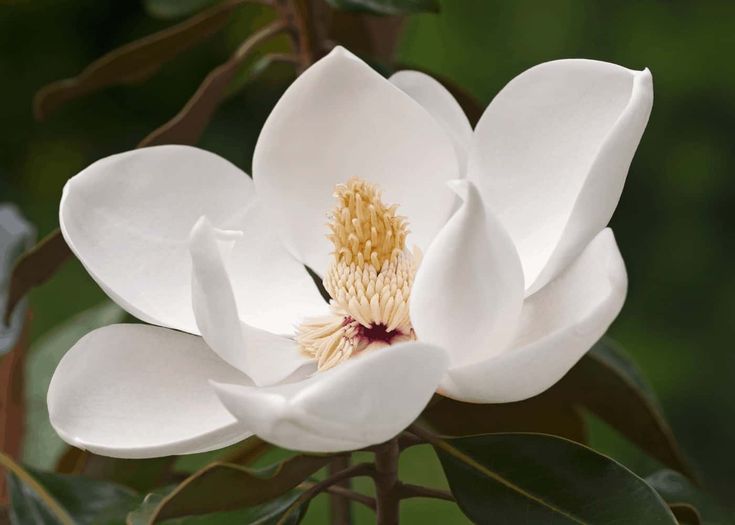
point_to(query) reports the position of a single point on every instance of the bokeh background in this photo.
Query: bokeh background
(675, 224)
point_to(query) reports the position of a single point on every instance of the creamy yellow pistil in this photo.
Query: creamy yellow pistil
(369, 280)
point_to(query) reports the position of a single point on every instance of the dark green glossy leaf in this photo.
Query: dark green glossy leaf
(135, 61)
(34, 267)
(175, 8)
(548, 413)
(682, 496)
(43, 498)
(607, 383)
(223, 487)
(265, 514)
(387, 7)
(16, 236)
(535, 478)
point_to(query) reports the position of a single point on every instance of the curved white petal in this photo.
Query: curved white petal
(272, 289)
(366, 400)
(551, 153)
(138, 391)
(340, 119)
(265, 357)
(440, 103)
(468, 292)
(127, 218)
(559, 324)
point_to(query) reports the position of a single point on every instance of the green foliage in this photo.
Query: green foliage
(166, 9)
(534, 478)
(223, 487)
(44, 498)
(387, 7)
(680, 493)
(264, 514)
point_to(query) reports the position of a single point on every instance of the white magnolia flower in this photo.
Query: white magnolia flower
(513, 278)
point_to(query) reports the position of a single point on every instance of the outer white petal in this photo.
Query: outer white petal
(468, 291)
(138, 391)
(265, 357)
(551, 153)
(366, 400)
(559, 324)
(340, 119)
(127, 218)
(438, 101)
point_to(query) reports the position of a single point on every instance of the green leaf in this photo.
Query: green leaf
(135, 61)
(548, 413)
(16, 236)
(34, 267)
(387, 7)
(46, 498)
(223, 487)
(264, 514)
(42, 446)
(535, 478)
(607, 383)
(166, 9)
(682, 496)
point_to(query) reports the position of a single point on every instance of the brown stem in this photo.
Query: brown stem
(386, 483)
(361, 469)
(349, 494)
(295, 16)
(406, 490)
(340, 506)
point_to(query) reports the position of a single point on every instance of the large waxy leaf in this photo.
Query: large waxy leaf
(608, 384)
(45, 498)
(605, 382)
(689, 504)
(43, 447)
(264, 514)
(33, 268)
(188, 124)
(135, 61)
(175, 8)
(387, 7)
(535, 478)
(224, 486)
(549, 413)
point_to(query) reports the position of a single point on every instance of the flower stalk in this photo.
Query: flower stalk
(387, 486)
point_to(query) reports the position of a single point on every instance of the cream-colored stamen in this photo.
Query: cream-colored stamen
(369, 281)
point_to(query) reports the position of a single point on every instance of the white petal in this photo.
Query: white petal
(559, 324)
(340, 119)
(551, 153)
(468, 291)
(138, 391)
(265, 357)
(440, 103)
(364, 401)
(127, 218)
(272, 289)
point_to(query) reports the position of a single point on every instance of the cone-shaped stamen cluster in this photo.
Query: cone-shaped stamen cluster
(369, 280)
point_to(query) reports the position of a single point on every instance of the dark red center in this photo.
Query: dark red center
(378, 332)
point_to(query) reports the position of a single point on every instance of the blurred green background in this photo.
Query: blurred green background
(674, 225)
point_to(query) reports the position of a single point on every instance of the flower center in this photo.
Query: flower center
(369, 280)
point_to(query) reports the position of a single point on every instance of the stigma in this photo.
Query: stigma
(369, 279)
